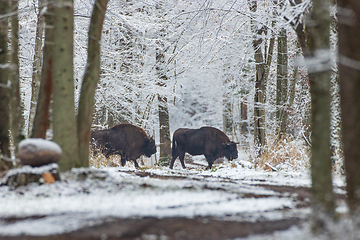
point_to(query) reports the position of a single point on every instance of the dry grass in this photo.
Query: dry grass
(284, 153)
(99, 160)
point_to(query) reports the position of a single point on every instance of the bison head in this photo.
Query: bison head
(230, 150)
(149, 146)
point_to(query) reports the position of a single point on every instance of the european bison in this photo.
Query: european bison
(209, 141)
(126, 140)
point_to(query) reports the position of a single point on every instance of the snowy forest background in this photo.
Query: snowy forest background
(267, 73)
(207, 50)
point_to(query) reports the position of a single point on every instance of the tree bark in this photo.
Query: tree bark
(165, 141)
(64, 119)
(228, 124)
(349, 70)
(243, 117)
(37, 65)
(293, 80)
(42, 116)
(319, 68)
(91, 78)
(4, 83)
(262, 73)
(260, 87)
(15, 101)
(282, 83)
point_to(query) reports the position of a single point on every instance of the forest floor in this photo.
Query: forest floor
(229, 202)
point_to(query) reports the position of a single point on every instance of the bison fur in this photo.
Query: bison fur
(126, 140)
(207, 141)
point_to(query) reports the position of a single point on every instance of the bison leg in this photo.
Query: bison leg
(136, 164)
(210, 160)
(175, 155)
(123, 161)
(181, 157)
(123, 158)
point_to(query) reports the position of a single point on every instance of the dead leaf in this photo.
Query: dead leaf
(48, 177)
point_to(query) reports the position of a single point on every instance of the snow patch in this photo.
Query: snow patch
(41, 144)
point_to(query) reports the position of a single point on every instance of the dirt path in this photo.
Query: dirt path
(180, 228)
(171, 228)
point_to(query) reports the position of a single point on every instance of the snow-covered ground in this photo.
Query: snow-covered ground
(231, 191)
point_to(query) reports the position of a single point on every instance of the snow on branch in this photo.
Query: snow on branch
(294, 13)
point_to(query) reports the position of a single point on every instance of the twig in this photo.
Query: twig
(272, 168)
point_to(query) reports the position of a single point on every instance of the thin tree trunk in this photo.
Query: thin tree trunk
(228, 124)
(4, 84)
(165, 141)
(38, 59)
(293, 80)
(262, 73)
(260, 86)
(282, 83)
(42, 116)
(91, 78)
(349, 69)
(259, 100)
(15, 102)
(64, 119)
(319, 68)
(243, 117)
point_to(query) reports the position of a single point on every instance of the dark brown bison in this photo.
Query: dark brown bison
(207, 141)
(126, 140)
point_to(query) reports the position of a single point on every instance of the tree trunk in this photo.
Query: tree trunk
(42, 116)
(227, 108)
(260, 86)
(91, 78)
(349, 69)
(17, 122)
(293, 80)
(64, 119)
(282, 83)
(262, 73)
(165, 141)
(319, 68)
(243, 117)
(38, 60)
(4, 83)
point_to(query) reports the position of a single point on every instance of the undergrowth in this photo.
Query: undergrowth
(99, 160)
(284, 154)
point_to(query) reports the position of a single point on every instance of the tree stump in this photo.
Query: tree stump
(27, 174)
